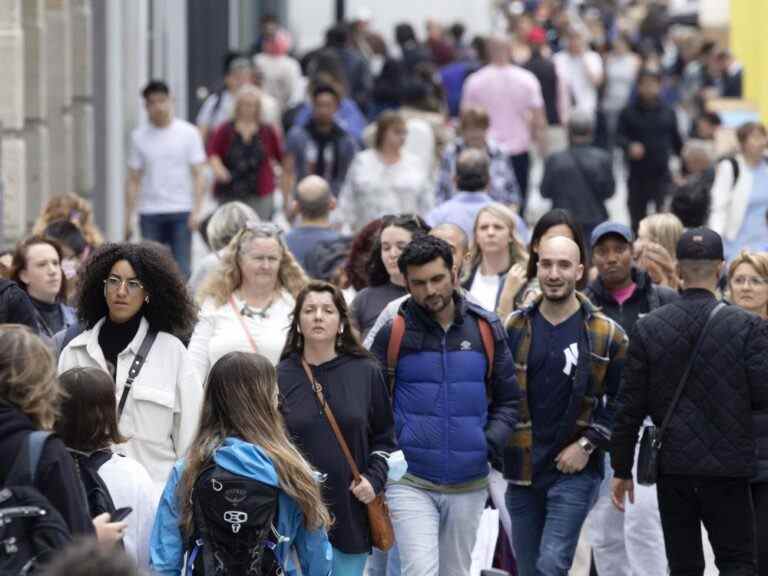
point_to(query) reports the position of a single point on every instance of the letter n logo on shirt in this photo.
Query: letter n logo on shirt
(571, 358)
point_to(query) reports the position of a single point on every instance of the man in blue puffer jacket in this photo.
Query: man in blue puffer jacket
(449, 421)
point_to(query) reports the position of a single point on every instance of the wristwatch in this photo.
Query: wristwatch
(586, 445)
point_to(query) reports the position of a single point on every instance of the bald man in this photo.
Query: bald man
(569, 357)
(314, 203)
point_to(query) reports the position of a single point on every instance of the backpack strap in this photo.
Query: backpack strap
(24, 468)
(489, 344)
(393, 349)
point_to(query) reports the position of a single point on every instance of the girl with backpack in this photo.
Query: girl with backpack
(88, 426)
(244, 496)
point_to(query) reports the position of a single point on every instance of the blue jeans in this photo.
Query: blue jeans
(435, 532)
(172, 230)
(547, 520)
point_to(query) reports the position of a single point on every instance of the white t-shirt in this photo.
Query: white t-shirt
(485, 289)
(129, 484)
(219, 331)
(165, 156)
(574, 70)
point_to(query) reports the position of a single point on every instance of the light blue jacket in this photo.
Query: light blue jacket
(167, 545)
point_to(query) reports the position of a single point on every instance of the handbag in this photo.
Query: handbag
(382, 533)
(651, 442)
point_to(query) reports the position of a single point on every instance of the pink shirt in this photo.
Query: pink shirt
(623, 294)
(509, 94)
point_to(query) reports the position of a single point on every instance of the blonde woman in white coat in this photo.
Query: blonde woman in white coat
(126, 292)
(740, 194)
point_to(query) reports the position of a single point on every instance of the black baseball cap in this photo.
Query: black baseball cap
(700, 244)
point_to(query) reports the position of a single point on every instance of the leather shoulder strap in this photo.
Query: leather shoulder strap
(133, 372)
(687, 373)
(393, 348)
(318, 389)
(239, 316)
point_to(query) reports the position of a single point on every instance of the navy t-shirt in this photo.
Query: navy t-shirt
(302, 239)
(552, 362)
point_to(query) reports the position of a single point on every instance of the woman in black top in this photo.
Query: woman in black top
(354, 388)
(385, 281)
(37, 269)
(29, 398)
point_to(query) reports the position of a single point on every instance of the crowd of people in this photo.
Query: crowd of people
(378, 295)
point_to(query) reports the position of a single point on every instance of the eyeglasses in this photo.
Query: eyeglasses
(266, 228)
(115, 283)
(753, 280)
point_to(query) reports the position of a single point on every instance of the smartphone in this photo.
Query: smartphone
(121, 514)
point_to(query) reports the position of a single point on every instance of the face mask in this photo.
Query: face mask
(397, 465)
(69, 268)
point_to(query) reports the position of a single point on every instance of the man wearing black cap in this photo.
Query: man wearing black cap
(631, 543)
(707, 455)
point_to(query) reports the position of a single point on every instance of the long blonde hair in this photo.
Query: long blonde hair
(665, 229)
(28, 375)
(241, 402)
(517, 251)
(227, 277)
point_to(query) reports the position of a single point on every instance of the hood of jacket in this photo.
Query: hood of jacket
(246, 459)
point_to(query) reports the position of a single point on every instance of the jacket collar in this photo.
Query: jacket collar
(587, 307)
(90, 341)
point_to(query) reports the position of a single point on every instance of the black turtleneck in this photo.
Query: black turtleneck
(50, 316)
(114, 338)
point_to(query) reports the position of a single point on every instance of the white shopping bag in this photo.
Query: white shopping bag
(485, 545)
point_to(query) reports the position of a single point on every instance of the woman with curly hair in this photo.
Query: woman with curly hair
(385, 281)
(246, 302)
(321, 341)
(241, 433)
(128, 294)
(72, 208)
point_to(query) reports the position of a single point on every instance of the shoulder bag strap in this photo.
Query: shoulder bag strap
(239, 316)
(486, 335)
(133, 373)
(318, 388)
(686, 374)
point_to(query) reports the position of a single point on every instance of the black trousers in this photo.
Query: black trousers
(724, 506)
(521, 166)
(760, 499)
(642, 191)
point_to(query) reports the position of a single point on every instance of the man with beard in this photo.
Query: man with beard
(569, 359)
(455, 403)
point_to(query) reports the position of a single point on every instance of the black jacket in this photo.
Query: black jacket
(760, 428)
(646, 298)
(655, 127)
(56, 477)
(710, 432)
(15, 306)
(356, 391)
(580, 180)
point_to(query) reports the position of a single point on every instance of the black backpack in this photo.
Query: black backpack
(31, 530)
(233, 522)
(97, 494)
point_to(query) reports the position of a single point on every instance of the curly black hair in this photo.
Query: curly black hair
(170, 308)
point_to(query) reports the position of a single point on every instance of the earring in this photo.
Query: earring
(146, 299)
(338, 340)
(341, 329)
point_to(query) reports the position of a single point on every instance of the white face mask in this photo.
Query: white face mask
(397, 465)
(69, 267)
